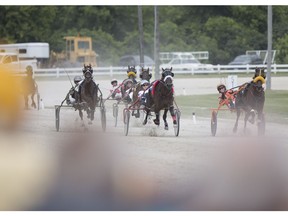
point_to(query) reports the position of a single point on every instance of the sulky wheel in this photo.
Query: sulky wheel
(103, 118)
(38, 101)
(214, 123)
(115, 113)
(126, 116)
(57, 117)
(177, 125)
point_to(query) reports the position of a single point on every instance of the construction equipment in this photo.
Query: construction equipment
(78, 52)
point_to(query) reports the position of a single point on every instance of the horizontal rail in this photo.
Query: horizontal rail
(205, 69)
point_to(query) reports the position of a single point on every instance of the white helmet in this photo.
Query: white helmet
(114, 80)
(143, 82)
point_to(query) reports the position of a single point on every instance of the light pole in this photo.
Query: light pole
(140, 24)
(269, 48)
(156, 42)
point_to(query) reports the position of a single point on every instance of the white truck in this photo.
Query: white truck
(10, 61)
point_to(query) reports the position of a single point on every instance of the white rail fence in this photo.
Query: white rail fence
(112, 71)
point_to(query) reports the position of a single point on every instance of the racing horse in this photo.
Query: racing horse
(144, 75)
(252, 100)
(88, 92)
(161, 96)
(30, 87)
(129, 84)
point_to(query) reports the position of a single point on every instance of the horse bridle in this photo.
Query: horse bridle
(88, 74)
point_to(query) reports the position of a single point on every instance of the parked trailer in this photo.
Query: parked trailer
(38, 50)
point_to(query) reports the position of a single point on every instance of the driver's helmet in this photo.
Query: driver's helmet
(114, 80)
(77, 79)
(143, 82)
(220, 86)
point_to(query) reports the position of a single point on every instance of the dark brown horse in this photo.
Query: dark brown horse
(144, 75)
(88, 91)
(252, 100)
(161, 96)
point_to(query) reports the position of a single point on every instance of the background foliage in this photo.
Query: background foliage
(224, 31)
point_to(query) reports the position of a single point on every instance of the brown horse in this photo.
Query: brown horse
(144, 75)
(252, 100)
(30, 88)
(161, 96)
(88, 91)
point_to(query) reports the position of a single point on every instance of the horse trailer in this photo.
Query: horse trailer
(25, 51)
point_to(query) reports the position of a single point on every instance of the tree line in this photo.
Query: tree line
(224, 31)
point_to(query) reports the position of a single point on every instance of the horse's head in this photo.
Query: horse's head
(29, 71)
(87, 72)
(145, 74)
(259, 78)
(167, 77)
(131, 72)
(259, 72)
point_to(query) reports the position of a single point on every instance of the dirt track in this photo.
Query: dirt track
(151, 169)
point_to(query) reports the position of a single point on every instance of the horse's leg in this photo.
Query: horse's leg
(157, 121)
(81, 116)
(92, 111)
(247, 114)
(137, 115)
(252, 113)
(236, 123)
(146, 117)
(26, 101)
(33, 104)
(92, 114)
(164, 119)
(171, 109)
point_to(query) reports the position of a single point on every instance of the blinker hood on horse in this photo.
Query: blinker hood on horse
(251, 100)
(161, 96)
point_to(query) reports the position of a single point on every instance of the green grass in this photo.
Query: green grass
(275, 108)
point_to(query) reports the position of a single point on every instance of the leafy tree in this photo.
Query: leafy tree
(281, 46)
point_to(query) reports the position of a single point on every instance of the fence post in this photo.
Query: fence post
(218, 68)
(57, 72)
(111, 71)
(274, 68)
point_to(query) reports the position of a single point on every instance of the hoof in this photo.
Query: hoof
(145, 122)
(174, 122)
(156, 122)
(166, 127)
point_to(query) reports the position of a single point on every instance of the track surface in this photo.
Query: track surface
(151, 169)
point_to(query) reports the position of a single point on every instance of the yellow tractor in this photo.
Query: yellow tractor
(77, 53)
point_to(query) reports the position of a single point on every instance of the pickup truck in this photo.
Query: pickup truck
(187, 65)
(10, 61)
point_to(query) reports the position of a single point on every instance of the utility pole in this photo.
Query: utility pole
(140, 24)
(156, 43)
(269, 48)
